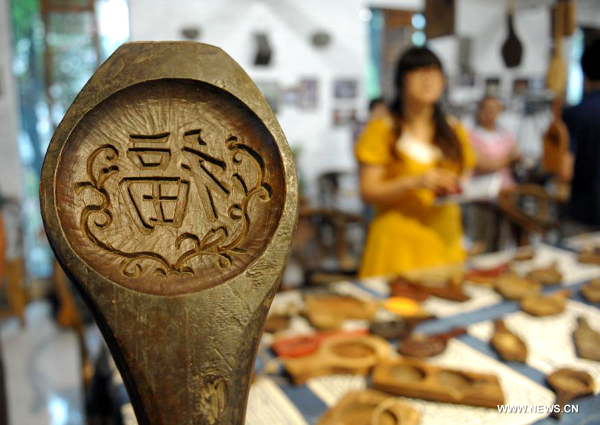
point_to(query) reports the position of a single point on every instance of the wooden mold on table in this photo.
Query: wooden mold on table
(545, 305)
(370, 407)
(169, 195)
(487, 276)
(412, 378)
(515, 288)
(569, 384)
(589, 255)
(509, 346)
(420, 290)
(525, 253)
(418, 345)
(549, 275)
(303, 345)
(341, 354)
(591, 291)
(587, 341)
(328, 312)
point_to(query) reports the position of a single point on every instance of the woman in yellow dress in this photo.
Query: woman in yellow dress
(407, 160)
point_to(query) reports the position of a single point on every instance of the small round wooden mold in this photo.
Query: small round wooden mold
(515, 288)
(418, 345)
(370, 407)
(569, 384)
(591, 291)
(340, 354)
(166, 181)
(508, 345)
(545, 305)
(328, 312)
(550, 275)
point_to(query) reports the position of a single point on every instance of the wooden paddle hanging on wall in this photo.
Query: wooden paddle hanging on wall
(556, 77)
(570, 17)
(512, 49)
(556, 141)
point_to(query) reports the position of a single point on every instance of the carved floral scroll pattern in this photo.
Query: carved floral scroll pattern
(103, 164)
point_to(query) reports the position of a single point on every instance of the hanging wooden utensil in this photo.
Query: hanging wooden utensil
(556, 77)
(556, 142)
(342, 354)
(418, 345)
(370, 407)
(587, 341)
(169, 195)
(570, 17)
(549, 275)
(413, 378)
(591, 291)
(512, 49)
(569, 384)
(509, 346)
(545, 305)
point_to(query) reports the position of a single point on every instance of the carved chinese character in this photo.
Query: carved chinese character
(171, 187)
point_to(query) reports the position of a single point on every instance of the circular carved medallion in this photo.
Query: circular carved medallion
(170, 187)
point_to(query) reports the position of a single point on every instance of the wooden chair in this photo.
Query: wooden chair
(169, 196)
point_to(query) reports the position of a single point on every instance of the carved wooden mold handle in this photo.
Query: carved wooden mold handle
(169, 195)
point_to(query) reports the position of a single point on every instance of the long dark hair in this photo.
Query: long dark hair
(444, 136)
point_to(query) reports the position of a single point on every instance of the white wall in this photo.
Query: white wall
(289, 23)
(10, 164)
(230, 24)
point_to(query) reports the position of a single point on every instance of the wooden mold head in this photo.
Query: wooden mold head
(169, 195)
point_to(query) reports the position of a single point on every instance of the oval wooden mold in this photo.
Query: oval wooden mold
(545, 305)
(569, 384)
(587, 341)
(549, 275)
(328, 312)
(591, 291)
(427, 345)
(340, 354)
(515, 288)
(370, 407)
(508, 345)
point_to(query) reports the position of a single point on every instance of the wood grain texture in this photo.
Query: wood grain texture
(167, 181)
(411, 378)
(169, 194)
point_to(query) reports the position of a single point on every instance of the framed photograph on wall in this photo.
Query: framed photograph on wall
(308, 93)
(492, 86)
(520, 86)
(290, 96)
(344, 117)
(345, 88)
(270, 90)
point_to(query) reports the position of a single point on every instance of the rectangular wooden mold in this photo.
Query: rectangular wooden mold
(416, 379)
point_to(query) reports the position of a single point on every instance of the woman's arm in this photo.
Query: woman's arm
(490, 165)
(376, 189)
